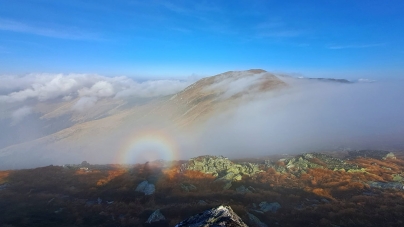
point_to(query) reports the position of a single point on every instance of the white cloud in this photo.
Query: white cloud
(233, 83)
(153, 88)
(84, 103)
(44, 87)
(363, 80)
(20, 113)
(39, 86)
(99, 89)
(355, 46)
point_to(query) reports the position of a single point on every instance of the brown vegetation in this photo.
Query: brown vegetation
(3, 176)
(57, 196)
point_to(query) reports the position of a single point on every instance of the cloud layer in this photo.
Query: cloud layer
(306, 116)
(43, 87)
(310, 116)
(20, 113)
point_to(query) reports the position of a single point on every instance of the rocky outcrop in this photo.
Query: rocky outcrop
(225, 170)
(221, 167)
(244, 190)
(299, 164)
(386, 185)
(215, 217)
(376, 154)
(146, 188)
(155, 217)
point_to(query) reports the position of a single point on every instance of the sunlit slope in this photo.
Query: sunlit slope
(98, 134)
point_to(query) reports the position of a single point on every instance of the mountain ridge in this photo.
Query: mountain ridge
(185, 110)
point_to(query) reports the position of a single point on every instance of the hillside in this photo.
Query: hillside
(361, 188)
(98, 132)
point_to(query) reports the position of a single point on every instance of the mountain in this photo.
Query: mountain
(63, 135)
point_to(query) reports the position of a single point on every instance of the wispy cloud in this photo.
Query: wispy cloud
(62, 33)
(280, 34)
(355, 46)
(276, 28)
(175, 7)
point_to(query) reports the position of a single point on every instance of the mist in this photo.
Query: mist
(310, 116)
(61, 119)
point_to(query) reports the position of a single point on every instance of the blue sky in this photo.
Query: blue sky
(174, 39)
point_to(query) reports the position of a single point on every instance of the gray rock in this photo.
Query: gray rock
(273, 207)
(298, 165)
(3, 186)
(386, 185)
(243, 190)
(325, 201)
(58, 210)
(221, 167)
(146, 188)
(155, 217)
(202, 202)
(255, 222)
(227, 185)
(376, 154)
(188, 187)
(91, 203)
(215, 217)
(141, 186)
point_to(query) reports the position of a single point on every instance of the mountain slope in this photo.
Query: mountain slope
(99, 133)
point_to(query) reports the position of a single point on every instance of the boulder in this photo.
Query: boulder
(202, 202)
(273, 207)
(188, 187)
(146, 188)
(3, 186)
(243, 190)
(215, 217)
(155, 217)
(255, 222)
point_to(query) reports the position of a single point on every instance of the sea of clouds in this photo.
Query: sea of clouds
(85, 89)
(305, 116)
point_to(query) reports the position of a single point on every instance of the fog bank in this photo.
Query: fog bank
(310, 116)
(305, 116)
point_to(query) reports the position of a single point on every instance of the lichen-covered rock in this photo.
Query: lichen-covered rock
(255, 222)
(215, 217)
(273, 207)
(397, 178)
(146, 188)
(386, 185)
(221, 167)
(376, 154)
(155, 217)
(299, 164)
